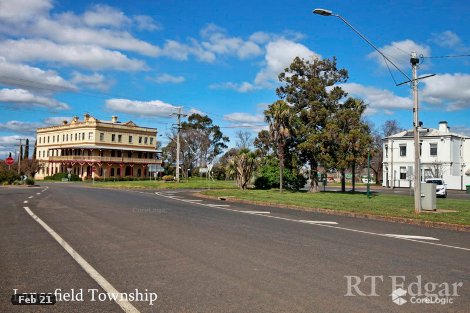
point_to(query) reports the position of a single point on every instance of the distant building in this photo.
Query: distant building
(103, 149)
(444, 154)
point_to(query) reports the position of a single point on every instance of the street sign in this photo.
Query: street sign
(155, 168)
(9, 161)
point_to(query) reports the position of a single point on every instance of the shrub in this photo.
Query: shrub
(29, 182)
(168, 178)
(8, 176)
(268, 177)
(60, 176)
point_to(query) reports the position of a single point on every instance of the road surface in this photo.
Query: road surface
(203, 255)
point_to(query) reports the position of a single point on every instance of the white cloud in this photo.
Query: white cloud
(85, 56)
(245, 118)
(464, 130)
(195, 111)
(23, 10)
(378, 100)
(217, 41)
(20, 127)
(24, 76)
(279, 54)
(56, 120)
(77, 34)
(399, 52)
(167, 78)
(446, 39)
(103, 15)
(93, 81)
(24, 98)
(145, 22)
(141, 108)
(451, 90)
(242, 87)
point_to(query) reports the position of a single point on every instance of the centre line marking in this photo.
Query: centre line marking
(125, 305)
(38, 193)
(337, 227)
(30, 197)
(318, 222)
(25, 201)
(411, 237)
(256, 212)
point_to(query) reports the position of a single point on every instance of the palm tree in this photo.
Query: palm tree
(278, 116)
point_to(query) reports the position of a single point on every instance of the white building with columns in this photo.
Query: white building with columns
(444, 154)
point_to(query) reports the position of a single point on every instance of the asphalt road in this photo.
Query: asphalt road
(213, 256)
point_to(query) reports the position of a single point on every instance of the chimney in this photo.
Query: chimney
(443, 127)
(114, 119)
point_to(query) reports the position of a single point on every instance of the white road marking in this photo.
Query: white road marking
(256, 212)
(124, 304)
(191, 200)
(318, 222)
(38, 193)
(30, 197)
(335, 227)
(25, 201)
(220, 206)
(411, 237)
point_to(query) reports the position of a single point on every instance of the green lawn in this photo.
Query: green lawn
(193, 183)
(379, 204)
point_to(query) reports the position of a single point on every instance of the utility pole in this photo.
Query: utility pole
(417, 173)
(20, 154)
(178, 116)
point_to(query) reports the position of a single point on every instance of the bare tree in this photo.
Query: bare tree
(244, 139)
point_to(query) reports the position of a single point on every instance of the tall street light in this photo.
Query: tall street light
(414, 82)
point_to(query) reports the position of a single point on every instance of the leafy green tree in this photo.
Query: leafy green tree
(278, 116)
(200, 143)
(346, 139)
(244, 163)
(309, 86)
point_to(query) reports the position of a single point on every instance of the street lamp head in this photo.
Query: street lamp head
(323, 12)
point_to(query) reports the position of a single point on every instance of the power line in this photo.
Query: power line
(446, 56)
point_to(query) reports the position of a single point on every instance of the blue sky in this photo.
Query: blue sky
(140, 59)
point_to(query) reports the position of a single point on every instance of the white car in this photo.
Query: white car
(441, 188)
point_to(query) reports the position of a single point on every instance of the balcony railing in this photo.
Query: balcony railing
(102, 159)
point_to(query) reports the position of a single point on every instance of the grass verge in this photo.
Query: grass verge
(194, 183)
(380, 204)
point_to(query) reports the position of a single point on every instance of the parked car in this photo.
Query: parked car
(441, 187)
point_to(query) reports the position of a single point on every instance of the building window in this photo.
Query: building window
(119, 138)
(402, 150)
(47, 139)
(129, 154)
(433, 149)
(140, 139)
(113, 153)
(76, 136)
(386, 151)
(63, 137)
(146, 140)
(101, 136)
(130, 139)
(83, 136)
(67, 137)
(113, 137)
(90, 136)
(57, 138)
(53, 138)
(403, 172)
(112, 171)
(151, 140)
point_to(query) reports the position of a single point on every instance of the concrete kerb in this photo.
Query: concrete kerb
(403, 220)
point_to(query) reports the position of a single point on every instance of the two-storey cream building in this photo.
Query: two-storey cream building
(92, 147)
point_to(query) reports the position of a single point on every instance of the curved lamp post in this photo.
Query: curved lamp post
(414, 84)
